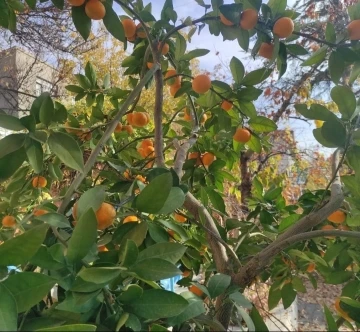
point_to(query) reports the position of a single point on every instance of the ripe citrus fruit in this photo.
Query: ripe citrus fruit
(95, 9)
(195, 155)
(187, 116)
(242, 135)
(266, 50)
(354, 30)
(337, 217)
(105, 215)
(311, 268)
(140, 119)
(140, 31)
(201, 83)
(150, 163)
(129, 129)
(147, 152)
(203, 119)
(196, 290)
(118, 128)
(343, 228)
(129, 118)
(39, 212)
(8, 221)
(129, 27)
(226, 105)
(173, 89)
(179, 218)
(102, 249)
(186, 273)
(149, 65)
(68, 129)
(131, 219)
(171, 232)
(146, 142)
(207, 158)
(249, 18)
(172, 81)
(283, 27)
(76, 3)
(328, 228)
(140, 178)
(39, 182)
(225, 21)
(165, 49)
(341, 311)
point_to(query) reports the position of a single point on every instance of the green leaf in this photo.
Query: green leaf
(10, 163)
(194, 309)
(128, 253)
(58, 4)
(243, 39)
(90, 73)
(180, 46)
(316, 112)
(194, 54)
(11, 143)
(49, 258)
(262, 124)
(131, 292)
(330, 33)
(174, 201)
(81, 21)
(8, 310)
(83, 237)
(158, 303)
(10, 122)
(137, 233)
(92, 198)
(112, 23)
(67, 150)
(83, 81)
(338, 277)
(257, 76)
(155, 194)
(345, 99)
(355, 72)
(218, 283)
(240, 300)
(28, 288)
(74, 88)
(277, 7)
(320, 138)
(170, 252)
(155, 269)
(336, 66)
(73, 327)
(334, 132)
(237, 69)
(258, 320)
(29, 122)
(216, 200)
(93, 278)
(296, 49)
(298, 284)
(18, 250)
(316, 57)
(35, 155)
(46, 113)
(55, 220)
(330, 320)
(288, 221)
(274, 296)
(288, 295)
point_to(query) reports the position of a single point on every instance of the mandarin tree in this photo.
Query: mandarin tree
(133, 202)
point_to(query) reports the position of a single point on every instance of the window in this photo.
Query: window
(42, 86)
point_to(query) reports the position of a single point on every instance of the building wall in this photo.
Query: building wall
(27, 74)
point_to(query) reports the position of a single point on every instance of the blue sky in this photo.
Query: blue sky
(222, 51)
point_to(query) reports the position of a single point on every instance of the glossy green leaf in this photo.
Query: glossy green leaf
(11, 143)
(158, 303)
(216, 200)
(257, 76)
(28, 288)
(83, 237)
(35, 155)
(296, 49)
(47, 110)
(128, 253)
(152, 199)
(240, 300)
(330, 320)
(330, 33)
(8, 310)
(137, 233)
(274, 296)
(237, 69)
(336, 66)
(92, 198)
(11, 122)
(67, 150)
(217, 284)
(316, 112)
(316, 57)
(54, 219)
(73, 327)
(155, 269)
(112, 23)
(334, 132)
(288, 295)
(170, 252)
(174, 201)
(131, 292)
(262, 124)
(180, 47)
(338, 277)
(277, 7)
(194, 54)
(258, 320)
(20, 249)
(320, 138)
(345, 99)
(81, 21)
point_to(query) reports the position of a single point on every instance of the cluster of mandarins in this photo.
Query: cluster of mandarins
(205, 159)
(94, 9)
(146, 150)
(338, 218)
